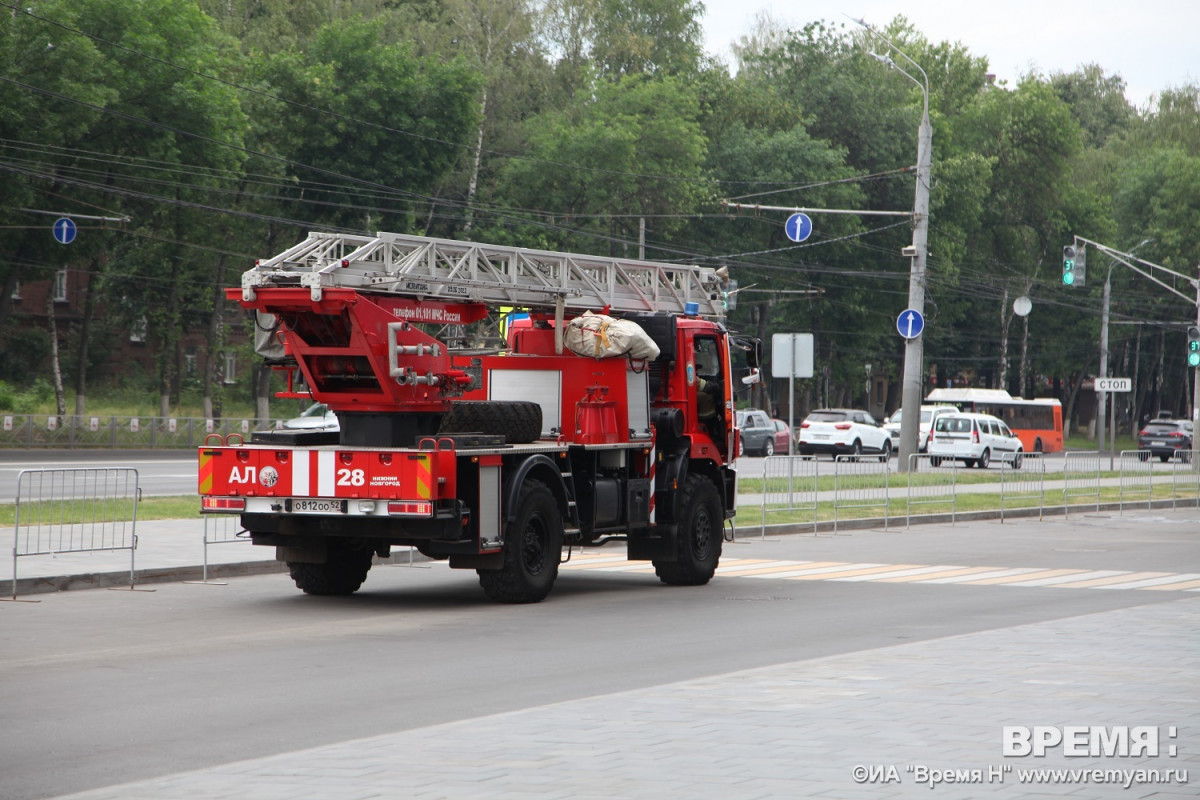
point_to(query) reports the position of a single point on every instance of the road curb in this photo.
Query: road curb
(120, 579)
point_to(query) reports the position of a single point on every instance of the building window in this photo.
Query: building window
(137, 331)
(189, 363)
(60, 286)
(230, 368)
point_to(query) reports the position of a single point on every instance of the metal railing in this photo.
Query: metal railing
(931, 486)
(75, 510)
(835, 491)
(1081, 479)
(790, 484)
(857, 485)
(220, 529)
(1023, 483)
(32, 432)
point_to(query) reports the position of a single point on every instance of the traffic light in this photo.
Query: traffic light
(1068, 265)
(1193, 351)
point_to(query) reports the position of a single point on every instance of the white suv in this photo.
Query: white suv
(929, 415)
(974, 439)
(843, 431)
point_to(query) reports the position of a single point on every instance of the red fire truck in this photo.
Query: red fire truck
(476, 440)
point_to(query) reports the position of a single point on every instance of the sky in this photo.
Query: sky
(1152, 44)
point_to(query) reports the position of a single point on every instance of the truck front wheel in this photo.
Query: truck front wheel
(532, 549)
(343, 572)
(701, 528)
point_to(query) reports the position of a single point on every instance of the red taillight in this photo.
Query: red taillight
(843, 426)
(803, 424)
(216, 504)
(975, 437)
(1142, 432)
(410, 508)
(1176, 434)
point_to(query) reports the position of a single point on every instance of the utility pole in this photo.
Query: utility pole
(914, 347)
(1102, 397)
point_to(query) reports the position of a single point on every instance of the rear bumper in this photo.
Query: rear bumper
(1165, 449)
(825, 448)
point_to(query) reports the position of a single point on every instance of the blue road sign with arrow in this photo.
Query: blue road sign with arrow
(64, 230)
(910, 323)
(798, 227)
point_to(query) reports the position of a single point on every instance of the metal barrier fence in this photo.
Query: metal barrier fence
(930, 485)
(856, 485)
(1081, 479)
(1185, 480)
(220, 529)
(1023, 483)
(31, 432)
(75, 510)
(803, 485)
(1137, 478)
(790, 483)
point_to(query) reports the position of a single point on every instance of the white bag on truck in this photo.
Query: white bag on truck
(600, 336)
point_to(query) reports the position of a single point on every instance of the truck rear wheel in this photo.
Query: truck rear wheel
(517, 421)
(532, 549)
(343, 572)
(701, 528)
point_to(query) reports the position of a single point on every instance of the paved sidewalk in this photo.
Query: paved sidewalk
(876, 725)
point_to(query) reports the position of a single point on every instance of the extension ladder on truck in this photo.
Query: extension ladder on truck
(495, 275)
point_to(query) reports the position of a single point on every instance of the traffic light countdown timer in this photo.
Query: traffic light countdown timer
(1193, 351)
(1074, 265)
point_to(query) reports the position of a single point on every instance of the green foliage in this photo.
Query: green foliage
(223, 129)
(372, 114)
(634, 145)
(27, 399)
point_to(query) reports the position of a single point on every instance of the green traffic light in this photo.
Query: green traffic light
(1194, 359)
(1068, 269)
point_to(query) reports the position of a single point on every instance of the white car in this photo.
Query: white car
(316, 417)
(929, 415)
(974, 439)
(843, 431)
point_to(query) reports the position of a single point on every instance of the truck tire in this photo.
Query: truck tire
(532, 549)
(701, 530)
(517, 420)
(343, 572)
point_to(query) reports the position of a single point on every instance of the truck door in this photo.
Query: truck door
(708, 390)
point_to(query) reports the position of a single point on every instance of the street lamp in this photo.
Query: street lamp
(911, 396)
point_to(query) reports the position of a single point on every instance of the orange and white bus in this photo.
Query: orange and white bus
(1037, 423)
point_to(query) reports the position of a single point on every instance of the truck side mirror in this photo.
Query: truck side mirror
(753, 378)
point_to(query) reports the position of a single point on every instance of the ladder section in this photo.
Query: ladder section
(469, 272)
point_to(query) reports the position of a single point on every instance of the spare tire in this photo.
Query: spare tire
(518, 421)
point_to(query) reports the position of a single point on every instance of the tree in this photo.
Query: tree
(632, 148)
(369, 127)
(1096, 101)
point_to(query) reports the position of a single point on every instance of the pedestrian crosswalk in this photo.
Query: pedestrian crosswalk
(1058, 578)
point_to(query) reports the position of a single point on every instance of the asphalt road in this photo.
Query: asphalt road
(105, 687)
(160, 472)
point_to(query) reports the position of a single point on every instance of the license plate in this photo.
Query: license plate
(311, 506)
(820, 435)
